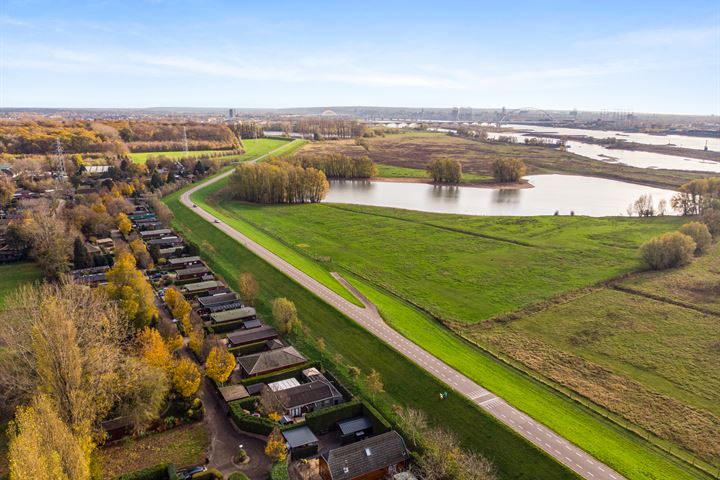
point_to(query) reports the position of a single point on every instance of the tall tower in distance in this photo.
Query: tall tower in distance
(60, 160)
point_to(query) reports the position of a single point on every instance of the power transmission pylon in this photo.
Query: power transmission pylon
(60, 159)
(185, 145)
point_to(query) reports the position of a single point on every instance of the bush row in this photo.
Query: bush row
(162, 471)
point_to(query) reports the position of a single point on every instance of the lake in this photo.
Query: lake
(596, 197)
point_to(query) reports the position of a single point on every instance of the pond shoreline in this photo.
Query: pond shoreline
(489, 185)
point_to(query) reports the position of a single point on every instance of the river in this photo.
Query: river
(635, 158)
(596, 197)
(685, 141)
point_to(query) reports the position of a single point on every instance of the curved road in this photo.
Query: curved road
(544, 438)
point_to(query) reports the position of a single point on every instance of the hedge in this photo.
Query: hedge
(209, 474)
(249, 423)
(162, 471)
(280, 471)
(321, 421)
(238, 476)
(244, 403)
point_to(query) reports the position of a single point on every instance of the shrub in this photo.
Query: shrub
(508, 170)
(700, 233)
(238, 476)
(711, 218)
(162, 471)
(209, 474)
(280, 471)
(667, 250)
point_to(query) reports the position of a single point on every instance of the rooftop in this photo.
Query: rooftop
(270, 361)
(299, 437)
(374, 453)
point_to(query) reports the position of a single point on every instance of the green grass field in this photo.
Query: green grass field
(425, 257)
(405, 383)
(141, 157)
(391, 171)
(697, 285)
(15, 274)
(253, 149)
(614, 446)
(670, 386)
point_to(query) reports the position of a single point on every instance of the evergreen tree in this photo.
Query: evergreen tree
(81, 257)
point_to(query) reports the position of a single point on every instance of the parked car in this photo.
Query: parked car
(187, 473)
(217, 221)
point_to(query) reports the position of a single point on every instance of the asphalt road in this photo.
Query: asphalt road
(535, 432)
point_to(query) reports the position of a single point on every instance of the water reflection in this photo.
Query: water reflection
(506, 195)
(564, 193)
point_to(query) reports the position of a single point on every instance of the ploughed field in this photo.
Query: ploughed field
(415, 150)
(532, 290)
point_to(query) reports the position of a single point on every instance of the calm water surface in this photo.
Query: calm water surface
(685, 141)
(595, 197)
(633, 158)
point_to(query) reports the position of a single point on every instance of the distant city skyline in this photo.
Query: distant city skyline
(653, 57)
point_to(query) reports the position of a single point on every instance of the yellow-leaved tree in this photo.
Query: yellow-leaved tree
(123, 222)
(186, 377)
(275, 447)
(128, 286)
(154, 349)
(42, 445)
(220, 364)
(178, 306)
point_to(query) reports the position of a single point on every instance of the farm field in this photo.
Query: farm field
(405, 383)
(181, 446)
(416, 149)
(15, 274)
(629, 455)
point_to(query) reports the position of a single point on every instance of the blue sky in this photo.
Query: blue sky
(642, 56)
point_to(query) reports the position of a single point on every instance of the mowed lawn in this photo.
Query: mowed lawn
(182, 446)
(405, 383)
(627, 454)
(14, 275)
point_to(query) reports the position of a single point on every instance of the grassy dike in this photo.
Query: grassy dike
(628, 454)
(405, 383)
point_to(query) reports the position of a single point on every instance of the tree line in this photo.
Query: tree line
(277, 181)
(338, 165)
